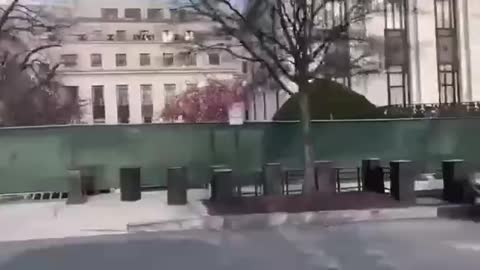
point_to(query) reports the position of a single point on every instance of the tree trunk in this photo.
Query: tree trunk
(309, 169)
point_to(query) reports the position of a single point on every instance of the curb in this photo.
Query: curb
(322, 218)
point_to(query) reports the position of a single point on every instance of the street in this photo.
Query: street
(415, 245)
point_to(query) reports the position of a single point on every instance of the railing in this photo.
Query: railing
(347, 180)
(434, 110)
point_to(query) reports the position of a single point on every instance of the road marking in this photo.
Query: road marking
(467, 246)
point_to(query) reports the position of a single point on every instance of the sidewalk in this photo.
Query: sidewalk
(102, 214)
(106, 214)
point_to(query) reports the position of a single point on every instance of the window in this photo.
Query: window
(170, 89)
(133, 14)
(121, 35)
(123, 112)
(147, 102)
(173, 13)
(168, 59)
(191, 86)
(182, 15)
(69, 60)
(167, 36)
(144, 59)
(144, 35)
(96, 60)
(98, 104)
(121, 59)
(188, 59)
(155, 14)
(109, 13)
(214, 59)
(189, 35)
(70, 96)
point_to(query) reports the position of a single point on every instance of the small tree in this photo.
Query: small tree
(30, 94)
(296, 41)
(209, 103)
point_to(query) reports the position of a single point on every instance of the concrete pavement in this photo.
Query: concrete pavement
(106, 214)
(102, 214)
(406, 245)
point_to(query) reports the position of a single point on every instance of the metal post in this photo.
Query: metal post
(372, 176)
(223, 185)
(325, 176)
(213, 188)
(339, 189)
(455, 176)
(402, 180)
(130, 184)
(76, 192)
(272, 179)
(177, 186)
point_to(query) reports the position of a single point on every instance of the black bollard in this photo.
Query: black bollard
(325, 177)
(89, 176)
(213, 188)
(130, 184)
(372, 176)
(177, 186)
(455, 176)
(222, 184)
(272, 179)
(76, 191)
(402, 180)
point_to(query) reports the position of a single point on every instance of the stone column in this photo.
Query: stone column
(402, 180)
(130, 184)
(177, 186)
(272, 179)
(455, 176)
(325, 177)
(76, 192)
(222, 184)
(372, 176)
(464, 53)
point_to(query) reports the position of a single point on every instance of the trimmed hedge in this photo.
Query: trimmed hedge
(330, 100)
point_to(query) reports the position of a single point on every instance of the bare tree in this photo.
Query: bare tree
(294, 40)
(29, 91)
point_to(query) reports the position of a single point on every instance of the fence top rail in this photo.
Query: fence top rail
(247, 123)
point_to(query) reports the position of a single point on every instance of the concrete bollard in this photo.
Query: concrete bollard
(222, 185)
(272, 179)
(89, 179)
(402, 180)
(212, 170)
(455, 176)
(76, 192)
(325, 177)
(177, 186)
(372, 176)
(130, 189)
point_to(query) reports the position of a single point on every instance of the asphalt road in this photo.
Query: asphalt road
(416, 245)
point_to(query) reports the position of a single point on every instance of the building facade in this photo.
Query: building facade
(427, 54)
(126, 59)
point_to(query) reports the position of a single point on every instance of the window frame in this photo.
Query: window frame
(171, 59)
(117, 60)
(210, 55)
(92, 62)
(145, 61)
(158, 18)
(103, 13)
(139, 10)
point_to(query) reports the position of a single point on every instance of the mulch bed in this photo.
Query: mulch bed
(302, 203)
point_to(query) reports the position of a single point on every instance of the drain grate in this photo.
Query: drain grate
(46, 196)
